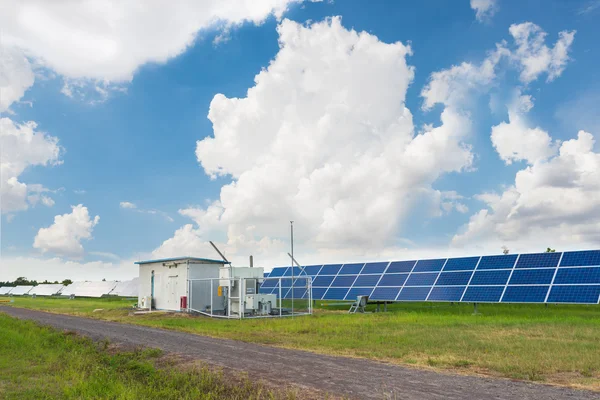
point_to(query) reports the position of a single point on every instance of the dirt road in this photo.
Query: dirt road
(355, 378)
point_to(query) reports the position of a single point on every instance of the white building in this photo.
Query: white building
(165, 281)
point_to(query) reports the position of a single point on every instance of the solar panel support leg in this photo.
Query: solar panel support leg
(475, 312)
(385, 306)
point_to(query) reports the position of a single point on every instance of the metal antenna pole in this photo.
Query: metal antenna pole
(292, 243)
(219, 251)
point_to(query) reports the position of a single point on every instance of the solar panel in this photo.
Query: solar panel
(336, 293)
(497, 262)
(4, 290)
(126, 288)
(525, 294)
(277, 271)
(424, 279)
(351, 269)
(355, 292)
(47, 289)
(574, 294)
(414, 293)
(493, 277)
(89, 289)
(343, 281)
(401, 266)
(375, 267)
(368, 280)
(580, 258)
(577, 275)
(539, 260)
(483, 294)
(461, 264)
(20, 290)
(312, 270)
(532, 276)
(453, 278)
(429, 265)
(392, 280)
(446, 293)
(330, 269)
(385, 293)
(570, 277)
(323, 281)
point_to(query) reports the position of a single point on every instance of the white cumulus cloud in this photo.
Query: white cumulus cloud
(323, 138)
(23, 146)
(459, 84)
(127, 204)
(516, 141)
(534, 56)
(16, 76)
(64, 236)
(484, 9)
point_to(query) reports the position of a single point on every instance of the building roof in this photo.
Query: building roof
(196, 259)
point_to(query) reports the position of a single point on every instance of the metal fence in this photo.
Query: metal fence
(239, 298)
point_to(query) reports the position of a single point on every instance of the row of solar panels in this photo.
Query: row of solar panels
(78, 289)
(570, 277)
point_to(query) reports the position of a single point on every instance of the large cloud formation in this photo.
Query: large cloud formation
(323, 138)
(111, 39)
(64, 236)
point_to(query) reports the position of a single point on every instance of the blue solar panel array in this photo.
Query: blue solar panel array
(570, 277)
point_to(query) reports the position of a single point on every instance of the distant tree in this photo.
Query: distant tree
(505, 250)
(549, 250)
(21, 281)
(67, 282)
(104, 280)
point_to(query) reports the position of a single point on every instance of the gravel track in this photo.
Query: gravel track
(349, 377)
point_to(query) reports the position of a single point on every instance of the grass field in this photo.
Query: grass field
(554, 344)
(41, 363)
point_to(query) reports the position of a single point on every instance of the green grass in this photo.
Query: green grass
(41, 363)
(554, 344)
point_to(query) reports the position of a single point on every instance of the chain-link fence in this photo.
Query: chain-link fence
(250, 297)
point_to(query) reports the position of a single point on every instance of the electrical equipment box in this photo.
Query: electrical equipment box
(261, 304)
(244, 281)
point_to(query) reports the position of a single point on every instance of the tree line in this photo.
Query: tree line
(22, 281)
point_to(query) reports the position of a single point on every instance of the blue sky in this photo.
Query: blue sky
(128, 133)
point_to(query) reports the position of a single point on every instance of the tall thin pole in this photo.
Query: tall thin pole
(292, 243)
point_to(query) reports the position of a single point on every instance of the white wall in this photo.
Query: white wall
(170, 283)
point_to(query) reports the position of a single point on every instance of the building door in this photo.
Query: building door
(173, 301)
